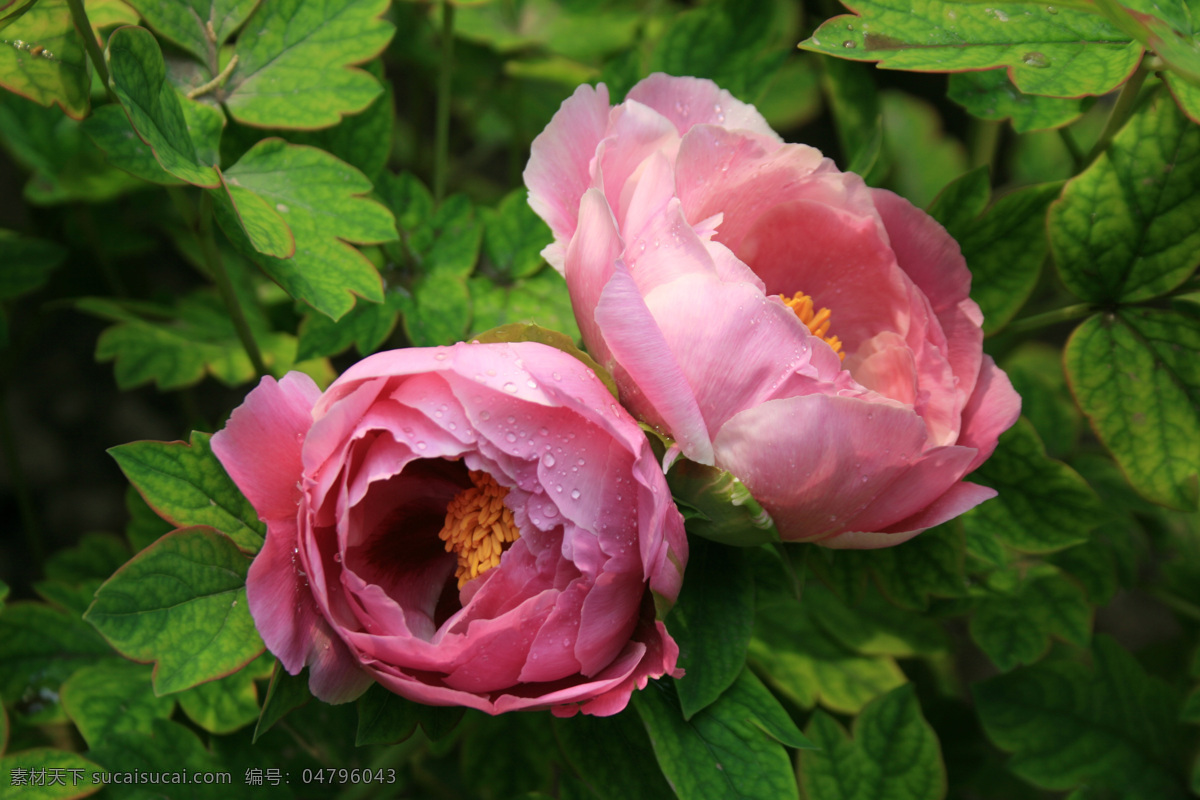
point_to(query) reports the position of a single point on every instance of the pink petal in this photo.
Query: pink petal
(260, 445)
(993, 409)
(960, 498)
(696, 101)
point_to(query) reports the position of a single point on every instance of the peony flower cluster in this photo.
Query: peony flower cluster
(484, 525)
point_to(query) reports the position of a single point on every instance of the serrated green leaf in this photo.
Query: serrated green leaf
(42, 647)
(808, 665)
(962, 200)
(613, 756)
(229, 703)
(439, 310)
(1043, 505)
(1135, 375)
(295, 63)
(111, 131)
(1112, 726)
(858, 116)
(730, 42)
(194, 338)
(264, 227)
(113, 696)
(42, 58)
(873, 626)
(1125, 229)
(187, 486)
(1004, 251)
(514, 236)
(893, 755)
(318, 197)
(542, 298)
(1064, 53)
(26, 263)
(722, 752)
(1019, 612)
(991, 95)
(911, 124)
(285, 693)
(168, 748)
(155, 107)
(1036, 372)
(49, 759)
(181, 603)
(64, 163)
(1186, 96)
(187, 24)
(366, 326)
(711, 622)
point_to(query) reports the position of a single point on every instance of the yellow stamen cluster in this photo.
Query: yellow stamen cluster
(478, 527)
(817, 321)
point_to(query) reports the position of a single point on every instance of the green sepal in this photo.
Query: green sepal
(893, 754)
(181, 603)
(723, 508)
(186, 485)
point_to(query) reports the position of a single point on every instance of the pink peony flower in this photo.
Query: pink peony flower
(478, 525)
(780, 319)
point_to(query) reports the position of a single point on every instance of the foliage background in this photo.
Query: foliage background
(1043, 646)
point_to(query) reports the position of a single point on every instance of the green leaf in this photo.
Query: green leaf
(181, 603)
(1186, 95)
(893, 754)
(229, 703)
(1019, 612)
(284, 694)
(110, 130)
(1112, 726)
(26, 263)
(317, 196)
(1093, 564)
(169, 747)
(3, 595)
(113, 696)
(711, 622)
(1134, 374)
(64, 163)
(264, 227)
(991, 95)
(1004, 250)
(1043, 505)
(194, 338)
(366, 326)
(579, 31)
(155, 108)
(728, 750)
(962, 200)
(806, 664)
(1036, 372)
(912, 125)
(514, 236)
(731, 42)
(42, 647)
(187, 486)
(49, 759)
(1125, 228)
(43, 58)
(386, 718)
(145, 527)
(858, 116)
(613, 756)
(507, 755)
(542, 298)
(873, 626)
(1050, 50)
(438, 311)
(73, 574)
(188, 23)
(294, 63)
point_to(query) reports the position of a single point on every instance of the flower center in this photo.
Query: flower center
(478, 527)
(817, 321)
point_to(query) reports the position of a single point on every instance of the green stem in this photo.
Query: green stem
(216, 266)
(1177, 604)
(984, 139)
(1072, 149)
(8, 443)
(1121, 112)
(1065, 314)
(80, 18)
(441, 153)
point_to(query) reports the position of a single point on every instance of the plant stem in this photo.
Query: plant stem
(1177, 604)
(80, 18)
(8, 443)
(983, 140)
(1120, 113)
(442, 137)
(1064, 314)
(1073, 149)
(212, 258)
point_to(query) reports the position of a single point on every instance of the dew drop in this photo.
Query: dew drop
(440, 356)
(556, 376)
(548, 460)
(1051, 10)
(543, 431)
(511, 419)
(551, 511)
(337, 557)
(510, 437)
(581, 462)
(566, 642)
(558, 488)
(420, 445)
(849, 44)
(484, 415)
(849, 27)
(574, 494)
(532, 384)
(511, 388)
(1035, 59)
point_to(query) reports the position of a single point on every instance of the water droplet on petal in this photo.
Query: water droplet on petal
(548, 460)
(510, 436)
(484, 415)
(574, 494)
(511, 388)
